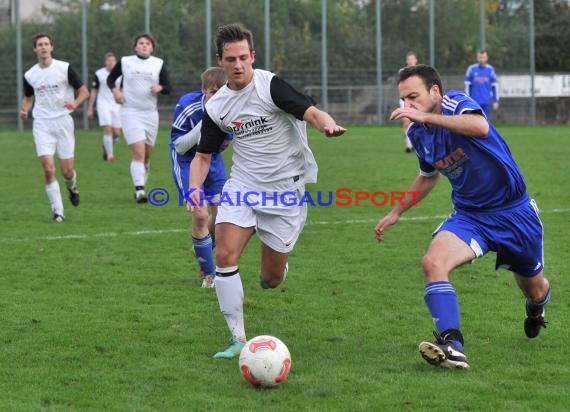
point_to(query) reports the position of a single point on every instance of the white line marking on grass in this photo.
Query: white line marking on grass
(164, 231)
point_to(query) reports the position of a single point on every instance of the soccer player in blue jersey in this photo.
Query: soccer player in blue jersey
(481, 84)
(492, 210)
(184, 137)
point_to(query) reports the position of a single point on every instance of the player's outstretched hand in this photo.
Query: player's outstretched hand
(410, 113)
(383, 224)
(193, 201)
(333, 131)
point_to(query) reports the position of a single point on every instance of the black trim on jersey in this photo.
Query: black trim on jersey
(28, 89)
(212, 136)
(73, 79)
(164, 80)
(95, 84)
(289, 99)
(114, 75)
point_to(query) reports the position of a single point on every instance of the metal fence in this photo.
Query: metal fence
(355, 102)
(351, 92)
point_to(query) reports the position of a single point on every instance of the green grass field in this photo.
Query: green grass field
(105, 311)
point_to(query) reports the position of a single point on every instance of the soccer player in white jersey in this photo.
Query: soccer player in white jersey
(452, 136)
(52, 84)
(107, 108)
(144, 77)
(271, 157)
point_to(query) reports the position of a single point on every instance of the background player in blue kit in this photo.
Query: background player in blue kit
(184, 137)
(452, 136)
(481, 84)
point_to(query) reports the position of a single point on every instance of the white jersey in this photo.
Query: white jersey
(269, 143)
(138, 75)
(104, 94)
(51, 89)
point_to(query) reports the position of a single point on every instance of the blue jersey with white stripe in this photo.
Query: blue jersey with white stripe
(187, 115)
(481, 84)
(482, 171)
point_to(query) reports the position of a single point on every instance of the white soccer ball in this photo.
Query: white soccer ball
(265, 361)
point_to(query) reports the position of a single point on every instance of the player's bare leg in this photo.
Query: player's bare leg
(273, 267)
(536, 289)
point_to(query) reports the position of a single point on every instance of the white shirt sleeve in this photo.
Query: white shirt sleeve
(189, 140)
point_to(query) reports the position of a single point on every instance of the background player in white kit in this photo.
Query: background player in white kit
(144, 76)
(52, 83)
(107, 108)
(266, 116)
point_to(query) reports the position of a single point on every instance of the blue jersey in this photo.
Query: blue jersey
(481, 84)
(482, 171)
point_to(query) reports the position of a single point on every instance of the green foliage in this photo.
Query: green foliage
(178, 26)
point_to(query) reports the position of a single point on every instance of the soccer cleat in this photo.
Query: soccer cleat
(140, 196)
(209, 281)
(233, 351)
(409, 150)
(111, 158)
(443, 353)
(74, 196)
(533, 324)
(57, 218)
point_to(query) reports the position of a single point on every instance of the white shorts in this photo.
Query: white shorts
(109, 115)
(55, 136)
(278, 222)
(140, 126)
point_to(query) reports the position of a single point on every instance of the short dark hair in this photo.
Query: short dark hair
(39, 36)
(428, 74)
(144, 36)
(231, 33)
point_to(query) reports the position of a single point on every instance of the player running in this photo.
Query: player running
(493, 212)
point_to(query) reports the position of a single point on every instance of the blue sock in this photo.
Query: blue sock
(533, 308)
(203, 250)
(441, 301)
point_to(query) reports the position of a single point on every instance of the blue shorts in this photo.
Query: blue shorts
(213, 184)
(515, 234)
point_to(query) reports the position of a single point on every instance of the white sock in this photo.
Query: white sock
(108, 144)
(146, 172)
(138, 173)
(54, 196)
(230, 297)
(71, 183)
